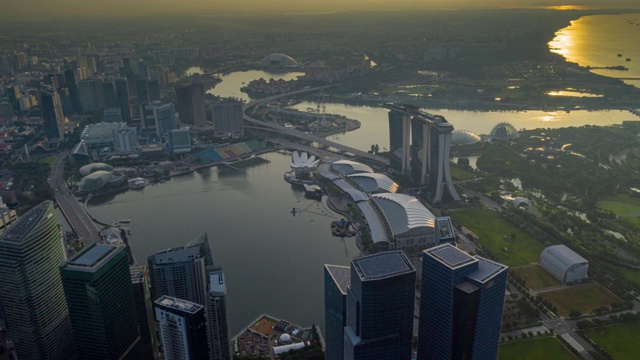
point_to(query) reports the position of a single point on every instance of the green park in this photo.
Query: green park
(618, 340)
(536, 277)
(583, 298)
(545, 348)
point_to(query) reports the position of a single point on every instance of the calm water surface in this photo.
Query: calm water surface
(273, 261)
(597, 40)
(232, 82)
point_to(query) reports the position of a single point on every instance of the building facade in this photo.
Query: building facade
(380, 307)
(228, 118)
(197, 101)
(179, 141)
(52, 114)
(97, 285)
(32, 297)
(461, 301)
(218, 325)
(144, 311)
(165, 117)
(125, 140)
(336, 282)
(182, 329)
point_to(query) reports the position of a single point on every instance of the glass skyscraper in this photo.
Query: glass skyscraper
(182, 329)
(380, 307)
(336, 281)
(32, 296)
(460, 305)
(97, 285)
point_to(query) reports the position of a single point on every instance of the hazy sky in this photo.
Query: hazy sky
(17, 9)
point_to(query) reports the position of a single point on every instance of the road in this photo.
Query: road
(305, 136)
(74, 212)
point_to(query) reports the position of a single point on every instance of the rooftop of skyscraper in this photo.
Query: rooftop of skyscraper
(487, 270)
(450, 256)
(92, 258)
(341, 276)
(178, 304)
(382, 265)
(25, 224)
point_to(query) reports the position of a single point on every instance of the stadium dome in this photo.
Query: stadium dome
(91, 168)
(348, 167)
(464, 137)
(374, 182)
(565, 264)
(285, 339)
(95, 180)
(504, 131)
(278, 59)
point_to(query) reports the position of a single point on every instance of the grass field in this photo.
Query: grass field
(622, 204)
(584, 298)
(458, 173)
(536, 277)
(545, 348)
(48, 160)
(632, 276)
(495, 232)
(621, 340)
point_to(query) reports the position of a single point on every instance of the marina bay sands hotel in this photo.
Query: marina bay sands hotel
(420, 145)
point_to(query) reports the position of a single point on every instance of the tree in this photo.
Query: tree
(574, 313)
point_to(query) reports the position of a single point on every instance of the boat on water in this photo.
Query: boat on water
(619, 55)
(628, 59)
(137, 183)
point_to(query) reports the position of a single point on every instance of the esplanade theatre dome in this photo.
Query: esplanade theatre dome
(91, 168)
(278, 59)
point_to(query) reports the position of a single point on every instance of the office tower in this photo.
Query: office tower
(154, 90)
(122, 94)
(180, 272)
(91, 95)
(72, 85)
(147, 117)
(228, 118)
(184, 104)
(142, 91)
(217, 324)
(52, 115)
(125, 140)
(97, 285)
(32, 296)
(461, 299)
(144, 310)
(143, 70)
(336, 282)
(109, 92)
(438, 153)
(179, 141)
(399, 131)
(6, 109)
(197, 98)
(380, 307)
(182, 329)
(165, 116)
(112, 115)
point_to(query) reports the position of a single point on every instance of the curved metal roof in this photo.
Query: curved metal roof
(374, 182)
(347, 167)
(563, 255)
(278, 59)
(95, 180)
(375, 222)
(405, 213)
(91, 168)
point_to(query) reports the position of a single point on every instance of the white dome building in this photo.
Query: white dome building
(95, 181)
(565, 264)
(285, 339)
(278, 59)
(91, 168)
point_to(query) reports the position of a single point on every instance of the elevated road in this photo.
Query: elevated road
(304, 136)
(74, 212)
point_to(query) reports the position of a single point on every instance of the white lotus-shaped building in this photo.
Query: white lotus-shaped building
(302, 160)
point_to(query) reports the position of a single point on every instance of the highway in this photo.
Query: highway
(305, 136)
(74, 212)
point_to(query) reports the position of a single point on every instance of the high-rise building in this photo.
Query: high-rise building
(72, 85)
(97, 285)
(184, 104)
(125, 140)
(32, 297)
(197, 101)
(52, 115)
(228, 118)
(461, 300)
(217, 324)
(144, 311)
(336, 283)
(165, 116)
(182, 329)
(122, 94)
(109, 92)
(399, 132)
(91, 95)
(142, 91)
(112, 115)
(154, 90)
(380, 307)
(181, 272)
(179, 141)
(143, 70)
